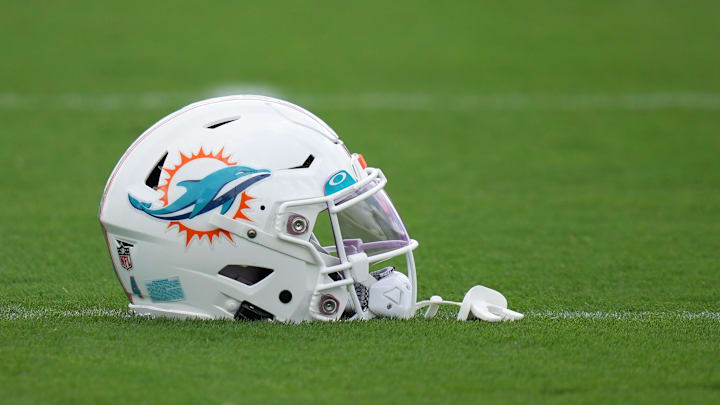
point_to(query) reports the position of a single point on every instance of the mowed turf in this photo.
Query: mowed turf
(564, 153)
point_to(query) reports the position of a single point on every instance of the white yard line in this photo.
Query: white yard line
(377, 101)
(18, 313)
(625, 315)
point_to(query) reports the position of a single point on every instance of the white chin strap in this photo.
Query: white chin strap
(391, 296)
(479, 303)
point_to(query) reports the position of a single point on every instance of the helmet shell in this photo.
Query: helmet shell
(175, 264)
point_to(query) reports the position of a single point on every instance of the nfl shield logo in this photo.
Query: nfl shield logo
(123, 249)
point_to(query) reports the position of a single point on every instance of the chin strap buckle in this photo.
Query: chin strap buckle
(480, 302)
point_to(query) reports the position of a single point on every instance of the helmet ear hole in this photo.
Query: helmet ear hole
(285, 296)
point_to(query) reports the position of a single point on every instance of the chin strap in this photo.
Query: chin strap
(480, 302)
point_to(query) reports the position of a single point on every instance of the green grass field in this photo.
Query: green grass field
(565, 153)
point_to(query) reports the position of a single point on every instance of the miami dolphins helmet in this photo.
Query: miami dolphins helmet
(220, 210)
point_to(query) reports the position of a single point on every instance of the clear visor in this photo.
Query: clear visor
(365, 229)
(370, 225)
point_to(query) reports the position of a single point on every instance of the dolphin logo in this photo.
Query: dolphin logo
(203, 194)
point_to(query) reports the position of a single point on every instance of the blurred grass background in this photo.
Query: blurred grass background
(565, 153)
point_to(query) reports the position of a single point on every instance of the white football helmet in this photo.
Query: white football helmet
(210, 214)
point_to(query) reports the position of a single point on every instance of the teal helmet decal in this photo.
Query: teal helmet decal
(339, 181)
(203, 194)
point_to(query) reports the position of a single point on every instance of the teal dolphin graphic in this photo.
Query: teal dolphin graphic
(203, 194)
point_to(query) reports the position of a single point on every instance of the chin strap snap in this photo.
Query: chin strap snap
(480, 302)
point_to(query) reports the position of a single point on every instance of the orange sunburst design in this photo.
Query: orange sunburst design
(190, 233)
(185, 160)
(244, 198)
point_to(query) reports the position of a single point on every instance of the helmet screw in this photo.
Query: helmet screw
(232, 305)
(251, 233)
(297, 224)
(328, 305)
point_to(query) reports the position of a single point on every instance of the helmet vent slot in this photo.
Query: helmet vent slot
(217, 124)
(306, 164)
(248, 275)
(251, 312)
(153, 178)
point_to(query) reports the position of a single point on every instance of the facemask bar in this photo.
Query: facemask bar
(347, 282)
